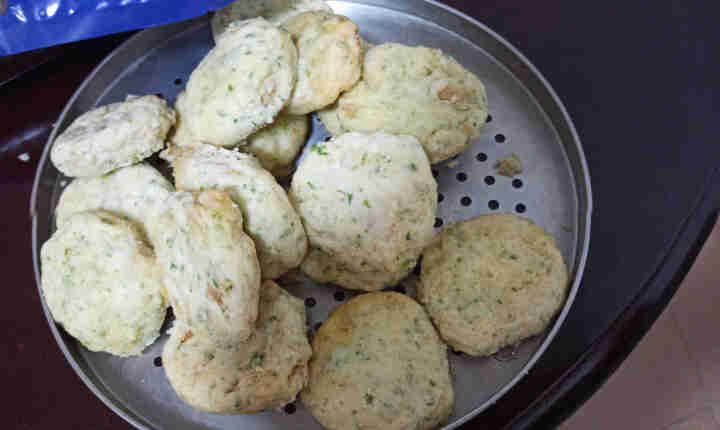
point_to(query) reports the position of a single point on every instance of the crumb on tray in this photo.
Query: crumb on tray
(509, 166)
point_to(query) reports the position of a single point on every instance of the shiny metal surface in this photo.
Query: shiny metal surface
(527, 119)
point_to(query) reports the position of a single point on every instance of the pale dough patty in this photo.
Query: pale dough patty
(368, 204)
(275, 11)
(330, 53)
(417, 91)
(101, 283)
(277, 145)
(492, 281)
(136, 192)
(265, 371)
(211, 271)
(113, 136)
(379, 364)
(269, 218)
(240, 85)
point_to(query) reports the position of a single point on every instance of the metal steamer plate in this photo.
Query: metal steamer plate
(527, 119)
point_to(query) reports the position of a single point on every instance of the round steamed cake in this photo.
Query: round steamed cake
(211, 271)
(491, 281)
(112, 136)
(263, 372)
(417, 91)
(379, 364)
(368, 204)
(240, 85)
(101, 283)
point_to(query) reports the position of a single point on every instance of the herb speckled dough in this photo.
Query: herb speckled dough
(368, 204)
(101, 283)
(210, 267)
(378, 363)
(277, 145)
(113, 136)
(136, 192)
(275, 11)
(265, 371)
(417, 91)
(492, 281)
(240, 85)
(330, 53)
(269, 217)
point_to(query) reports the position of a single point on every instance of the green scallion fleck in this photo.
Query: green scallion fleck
(320, 149)
(348, 196)
(257, 359)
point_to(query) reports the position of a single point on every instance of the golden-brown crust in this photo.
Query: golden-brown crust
(491, 281)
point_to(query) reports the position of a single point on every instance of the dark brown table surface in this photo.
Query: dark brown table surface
(640, 81)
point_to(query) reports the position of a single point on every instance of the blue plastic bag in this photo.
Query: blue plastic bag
(31, 24)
